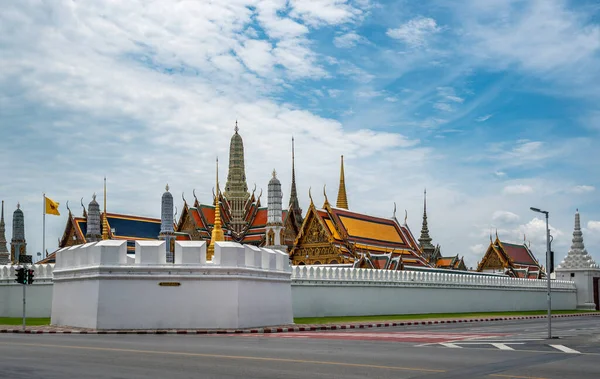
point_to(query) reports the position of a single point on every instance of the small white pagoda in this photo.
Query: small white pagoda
(578, 266)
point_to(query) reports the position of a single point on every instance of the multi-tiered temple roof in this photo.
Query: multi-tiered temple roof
(510, 259)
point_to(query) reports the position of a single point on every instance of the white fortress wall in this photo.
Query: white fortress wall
(39, 294)
(332, 291)
(243, 286)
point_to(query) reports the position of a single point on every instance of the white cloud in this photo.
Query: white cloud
(443, 107)
(583, 189)
(415, 32)
(505, 217)
(347, 40)
(478, 249)
(500, 174)
(593, 226)
(483, 118)
(334, 92)
(517, 189)
(541, 36)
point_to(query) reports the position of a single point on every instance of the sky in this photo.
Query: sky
(493, 106)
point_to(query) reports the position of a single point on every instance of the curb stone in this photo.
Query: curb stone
(288, 329)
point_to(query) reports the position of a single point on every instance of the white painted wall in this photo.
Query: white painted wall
(331, 291)
(38, 294)
(584, 280)
(241, 287)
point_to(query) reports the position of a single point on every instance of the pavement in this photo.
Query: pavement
(501, 349)
(281, 328)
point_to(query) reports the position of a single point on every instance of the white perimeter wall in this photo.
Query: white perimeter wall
(39, 294)
(96, 286)
(331, 291)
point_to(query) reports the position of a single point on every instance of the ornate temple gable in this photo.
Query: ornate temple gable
(291, 228)
(494, 258)
(182, 218)
(314, 241)
(72, 234)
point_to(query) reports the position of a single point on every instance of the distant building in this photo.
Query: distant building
(510, 259)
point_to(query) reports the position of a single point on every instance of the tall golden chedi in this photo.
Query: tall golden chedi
(217, 231)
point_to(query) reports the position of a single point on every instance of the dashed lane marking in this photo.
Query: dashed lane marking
(565, 349)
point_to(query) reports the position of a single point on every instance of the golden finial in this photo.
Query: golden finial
(167, 187)
(325, 195)
(310, 195)
(217, 232)
(274, 173)
(342, 199)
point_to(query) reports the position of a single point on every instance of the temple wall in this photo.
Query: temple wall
(331, 291)
(97, 286)
(38, 294)
(584, 280)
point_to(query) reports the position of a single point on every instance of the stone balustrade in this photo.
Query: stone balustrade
(42, 272)
(347, 275)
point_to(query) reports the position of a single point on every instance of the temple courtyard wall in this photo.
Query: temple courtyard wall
(319, 291)
(99, 286)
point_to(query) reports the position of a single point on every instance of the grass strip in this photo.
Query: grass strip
(29, 321)
(348, 319)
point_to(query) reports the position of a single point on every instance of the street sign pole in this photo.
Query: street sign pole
(24, 303)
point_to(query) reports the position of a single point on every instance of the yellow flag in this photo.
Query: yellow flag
(51, 207)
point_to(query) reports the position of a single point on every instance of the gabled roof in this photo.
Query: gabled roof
(133, 227)
(519, 254)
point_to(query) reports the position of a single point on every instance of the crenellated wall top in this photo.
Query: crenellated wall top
(187, 254)
(347, 276)
(42, 272)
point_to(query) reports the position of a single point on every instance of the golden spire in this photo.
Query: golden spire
(217, 232)
(105, 220)
(342, 200)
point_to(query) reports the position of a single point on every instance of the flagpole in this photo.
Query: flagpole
(44, 228)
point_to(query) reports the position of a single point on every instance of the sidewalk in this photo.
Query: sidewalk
(48, 329)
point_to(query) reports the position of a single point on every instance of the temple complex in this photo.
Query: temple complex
(18, 245)
(510, 259)
(335, 235)
(243, 218)
(4, 255)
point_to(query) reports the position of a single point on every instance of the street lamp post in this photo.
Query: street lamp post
(547, 270)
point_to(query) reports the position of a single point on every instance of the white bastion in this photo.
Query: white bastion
(98, 286)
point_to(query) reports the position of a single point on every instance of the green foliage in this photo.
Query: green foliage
(29, 321)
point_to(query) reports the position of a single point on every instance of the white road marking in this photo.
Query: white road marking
(502, 346)
(447, 344)
(565, 349)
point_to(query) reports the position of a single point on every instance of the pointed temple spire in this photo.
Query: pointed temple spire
(94, 229)
(4, 257)
(425, 239)
(217, 231)
(166, 223)
(294, 204)
(105, 218)
(18, 245)
(577, 257)
(342, 200)
(236, 188)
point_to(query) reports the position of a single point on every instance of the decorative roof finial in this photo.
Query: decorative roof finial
(405, 216)
(342, 199)
(310, 195)
(236, 128)
(294, 204)
(325, 195)
(274, 173)
(167, 187)
(217, 231)
(425, 239)
(18, 205)
(394, 209)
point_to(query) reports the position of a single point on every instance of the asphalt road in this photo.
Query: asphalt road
(510, 349)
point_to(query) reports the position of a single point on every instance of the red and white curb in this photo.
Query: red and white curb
(290, 329)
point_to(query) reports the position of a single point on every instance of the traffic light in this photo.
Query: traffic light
(30, 276)
(20, 274)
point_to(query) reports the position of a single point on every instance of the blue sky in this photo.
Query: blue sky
(492, 105)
